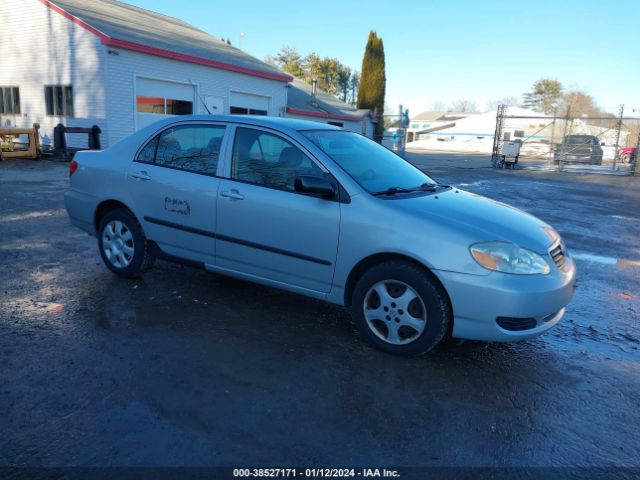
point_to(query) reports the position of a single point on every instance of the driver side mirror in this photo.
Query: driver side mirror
(315, 186)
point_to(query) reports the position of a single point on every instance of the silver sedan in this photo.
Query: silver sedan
(326, 213)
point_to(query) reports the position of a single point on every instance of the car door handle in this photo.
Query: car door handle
(233, 194)
(143, 175)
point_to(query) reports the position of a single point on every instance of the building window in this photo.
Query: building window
(150, 105)
(59, 100)
(178, 107)
(163, 106)
(9, 100)
(246, 111)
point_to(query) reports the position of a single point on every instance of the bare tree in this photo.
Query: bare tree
(464, 105)
(579, 104)
(438, 106)
(508, 101)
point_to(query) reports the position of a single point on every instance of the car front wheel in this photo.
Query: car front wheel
(401, 308)
(122, 243)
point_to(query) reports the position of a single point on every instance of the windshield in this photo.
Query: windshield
(371, 165)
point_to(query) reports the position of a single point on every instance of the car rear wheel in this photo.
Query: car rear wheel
(401, 308)
(123, 245)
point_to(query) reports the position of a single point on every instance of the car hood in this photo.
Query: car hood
(481, 218)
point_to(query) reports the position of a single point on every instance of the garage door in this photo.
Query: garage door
(248, 104)
(157, 99)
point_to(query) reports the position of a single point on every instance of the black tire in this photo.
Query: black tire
(433, 296)
(141, 259)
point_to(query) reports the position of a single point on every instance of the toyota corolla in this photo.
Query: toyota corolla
(326, 213)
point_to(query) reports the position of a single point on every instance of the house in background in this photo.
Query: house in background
(307, 102)
(103, 62)
(428, 122)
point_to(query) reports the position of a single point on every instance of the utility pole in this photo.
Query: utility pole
(553, 133)
(618, 129)
(564, 135)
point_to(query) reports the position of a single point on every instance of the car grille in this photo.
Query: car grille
(558, 256)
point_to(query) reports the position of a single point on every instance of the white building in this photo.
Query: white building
(86, 62)
(107, 63)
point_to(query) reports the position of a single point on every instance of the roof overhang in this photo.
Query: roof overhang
(137, 47)
(332, 116)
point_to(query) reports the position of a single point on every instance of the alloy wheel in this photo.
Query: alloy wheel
(394, 312)
(117, 243)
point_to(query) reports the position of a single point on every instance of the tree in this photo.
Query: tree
(508, 101)
(373, 81)
(343, 79)
(333, 76)
(289, 60)
(438, 106)
(354, 85)
(464, 106)
(578, 104)
(545, 95)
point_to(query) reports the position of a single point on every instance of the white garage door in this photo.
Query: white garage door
(248, 104)
(156, 99)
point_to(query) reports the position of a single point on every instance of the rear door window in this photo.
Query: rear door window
(194, 148)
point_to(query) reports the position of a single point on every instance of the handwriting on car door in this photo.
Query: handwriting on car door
(176, 205)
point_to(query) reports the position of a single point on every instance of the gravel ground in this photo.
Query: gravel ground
(185, 368)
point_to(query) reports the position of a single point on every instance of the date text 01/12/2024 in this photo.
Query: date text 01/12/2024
(315, 472)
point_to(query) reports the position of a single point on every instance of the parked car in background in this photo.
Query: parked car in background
(579, 149)
(327, 213)
(627, 154)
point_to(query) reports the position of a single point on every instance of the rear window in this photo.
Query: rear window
(579, 139)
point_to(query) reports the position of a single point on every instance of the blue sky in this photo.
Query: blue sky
(444, 50)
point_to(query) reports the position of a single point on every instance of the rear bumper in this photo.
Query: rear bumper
(80, 208)
(478, 301)
(595, 158)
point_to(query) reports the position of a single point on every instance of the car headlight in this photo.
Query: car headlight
(508, 257)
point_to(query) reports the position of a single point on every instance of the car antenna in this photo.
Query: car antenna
(199, 97)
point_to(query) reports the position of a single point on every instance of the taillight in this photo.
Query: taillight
(73, 166)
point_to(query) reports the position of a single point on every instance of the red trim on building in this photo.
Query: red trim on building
(158, 52)
(75, 20)
(331, 116)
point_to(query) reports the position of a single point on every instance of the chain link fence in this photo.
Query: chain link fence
(603, 144)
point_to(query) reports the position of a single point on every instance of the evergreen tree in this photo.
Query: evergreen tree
(373, 81)
(544, 96)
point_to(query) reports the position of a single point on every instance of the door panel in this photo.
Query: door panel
(265, 228)
(278, 235)
(174, 190)
(177, 210)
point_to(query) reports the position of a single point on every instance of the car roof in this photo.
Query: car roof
(257, 120)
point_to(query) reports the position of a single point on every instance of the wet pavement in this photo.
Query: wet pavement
(184, 367)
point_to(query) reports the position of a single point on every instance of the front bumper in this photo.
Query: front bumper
(478, 301)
